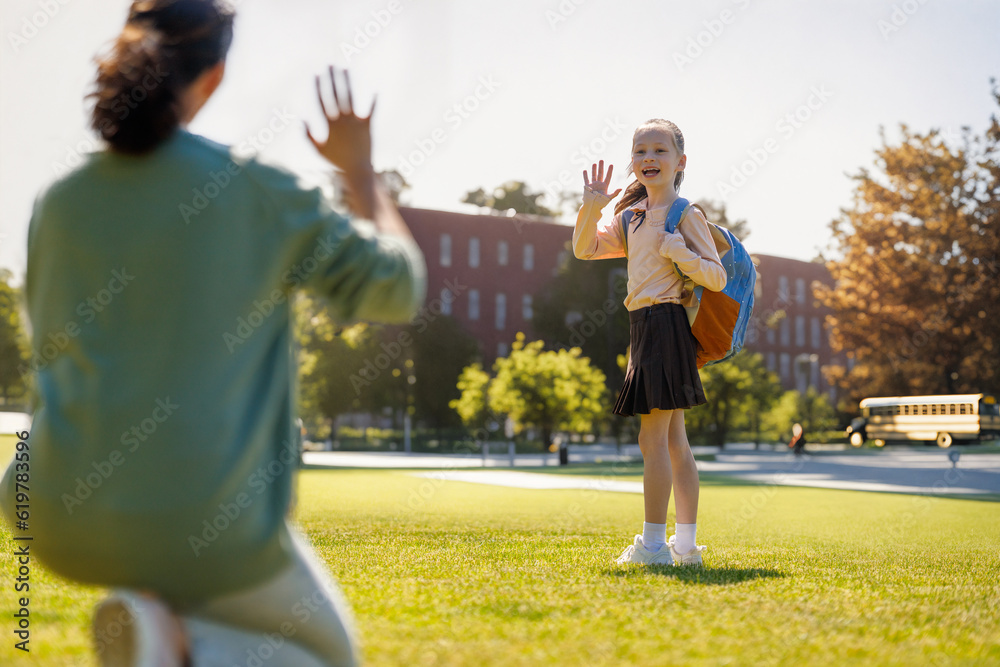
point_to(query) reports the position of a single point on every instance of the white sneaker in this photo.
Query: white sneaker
(135, 630)
(638, 553)
(692, 557)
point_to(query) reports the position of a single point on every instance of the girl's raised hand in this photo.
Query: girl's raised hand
(348, 144)
(597, 181)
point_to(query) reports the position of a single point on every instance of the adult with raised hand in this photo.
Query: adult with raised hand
(348, 147)
(163, 445)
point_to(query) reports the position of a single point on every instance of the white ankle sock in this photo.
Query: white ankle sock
(654, 535)
(684, 537)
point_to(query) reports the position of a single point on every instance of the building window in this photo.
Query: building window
(817, 334)
(501, 349)
(446, 250)
(473, 304)
(800, 331)
(751, 336)
(529, 257)
(474, 252)
(503, 251)
(786, 335)
(758, 289)
(783, 288)
(772, 364)
(770, 335)
(527, 312)
(446, 300)
(560, 262)
(800, 290)
(501, 317)
(786, 366)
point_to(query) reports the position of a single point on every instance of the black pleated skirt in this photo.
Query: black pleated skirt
(662, 373)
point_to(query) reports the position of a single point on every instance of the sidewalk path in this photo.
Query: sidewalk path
(900, 471)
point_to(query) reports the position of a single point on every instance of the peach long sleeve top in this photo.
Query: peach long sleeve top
(651, 251)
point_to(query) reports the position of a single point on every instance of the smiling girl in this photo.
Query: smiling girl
(662, 376)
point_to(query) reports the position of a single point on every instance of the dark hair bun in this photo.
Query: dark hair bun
(164, 46)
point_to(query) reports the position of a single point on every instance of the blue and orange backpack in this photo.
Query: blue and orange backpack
(718, 319)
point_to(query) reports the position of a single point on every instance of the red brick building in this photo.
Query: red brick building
(486, 268)
(797, 345)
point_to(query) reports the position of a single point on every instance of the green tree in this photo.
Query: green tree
(739, 391)
(368, 367)
(548, 390)
(342, 369)
(13, 342)
(513, 195)
(916, 299)
(472, 405)
(582, 307)
(812, 410)
(441, 349)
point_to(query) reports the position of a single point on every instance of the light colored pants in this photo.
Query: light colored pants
(297, 619)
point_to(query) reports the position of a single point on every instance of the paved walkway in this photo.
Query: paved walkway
(916, 471)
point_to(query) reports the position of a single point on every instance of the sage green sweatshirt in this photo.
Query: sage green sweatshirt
(163, 446)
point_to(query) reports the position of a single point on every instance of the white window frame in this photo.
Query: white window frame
(473, 304)
(444, 250)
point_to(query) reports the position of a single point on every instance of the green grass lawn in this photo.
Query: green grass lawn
(449, 573)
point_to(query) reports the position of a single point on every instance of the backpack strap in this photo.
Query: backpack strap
(676, 213)
(674, 216)
(627, 216)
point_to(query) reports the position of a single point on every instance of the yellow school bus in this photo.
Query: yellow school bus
(962, 418)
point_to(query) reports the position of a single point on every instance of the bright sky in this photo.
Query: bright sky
(780, 101)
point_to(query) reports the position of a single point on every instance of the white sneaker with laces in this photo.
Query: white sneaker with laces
(638, 553)
(692, 557)
(135, 630)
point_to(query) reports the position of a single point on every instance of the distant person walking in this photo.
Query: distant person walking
(798, 442)
(164, 444)
(662, 376)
